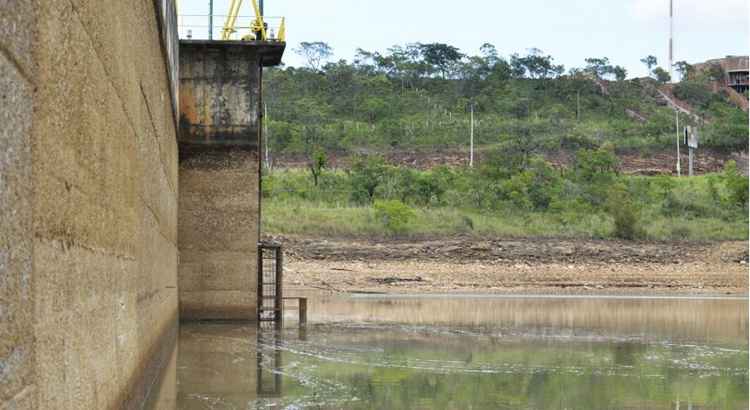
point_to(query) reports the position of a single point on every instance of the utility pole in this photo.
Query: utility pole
(471, 139)
(671, 74)
(690, 157)
(671, 38)
(265, 134)
(210, 19)
(677, 126)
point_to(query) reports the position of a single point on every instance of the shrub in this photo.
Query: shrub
(664, 184)
(367, 173)
(595, 165)
(685, 205)
(544, 183)
(713, 189)
(393, 214)
(595, 171)
(694, 92)
(467, 223)
(318, 162)
(625, 212)
(728, 131)
(266, 186)
(736, 183)
(575, 142)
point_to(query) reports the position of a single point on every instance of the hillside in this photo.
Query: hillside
(419, 97)
(377, 148)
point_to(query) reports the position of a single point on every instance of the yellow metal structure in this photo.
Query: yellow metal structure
(234, 11)
(282, 30)
(258, 26)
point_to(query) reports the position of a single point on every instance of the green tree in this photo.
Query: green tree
(512, 155)
(599, 67)
(662, 76)
(650, 62)
(367, 173)
(537, 65)
(593, 165)
(620, 73)
(694, 92)
(441, 56)
(625, 213)
(315, 53)
(595, 170)
(318, 162)
(489, 52)
(684, 69)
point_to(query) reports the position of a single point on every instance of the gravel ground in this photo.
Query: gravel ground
(548, 266)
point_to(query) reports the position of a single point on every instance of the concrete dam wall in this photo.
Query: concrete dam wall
(88, 192)
(120, 216)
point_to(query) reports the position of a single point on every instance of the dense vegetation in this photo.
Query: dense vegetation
(522, 197)
(420, 95)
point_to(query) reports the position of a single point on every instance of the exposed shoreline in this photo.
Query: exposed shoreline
(541, 266)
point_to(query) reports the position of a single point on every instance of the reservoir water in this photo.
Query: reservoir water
(475, 352)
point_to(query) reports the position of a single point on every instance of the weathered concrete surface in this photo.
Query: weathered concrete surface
(219, 94)
(17, 369)
(219, 210)
(220, 90)
(218, 234)
(88, 251)
(163, 394)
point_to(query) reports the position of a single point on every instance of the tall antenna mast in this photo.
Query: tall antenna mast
(671, 38)
(210, 19)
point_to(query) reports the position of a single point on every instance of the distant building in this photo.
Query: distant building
(736, 71)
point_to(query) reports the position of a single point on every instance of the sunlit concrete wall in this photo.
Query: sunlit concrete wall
(88, 249)
(219, 180)
(18, 385)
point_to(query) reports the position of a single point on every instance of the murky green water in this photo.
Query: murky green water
(476, 353)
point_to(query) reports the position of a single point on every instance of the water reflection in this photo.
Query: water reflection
(694, 319)
(481, 354)
(269, 364)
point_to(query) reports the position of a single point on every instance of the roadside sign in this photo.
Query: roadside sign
(691, 137)
(692, 141)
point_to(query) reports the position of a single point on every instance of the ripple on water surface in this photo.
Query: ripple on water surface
(459, 354)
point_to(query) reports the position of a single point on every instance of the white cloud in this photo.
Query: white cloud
(709, 12)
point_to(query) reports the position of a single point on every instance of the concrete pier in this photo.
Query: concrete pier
(219, 207)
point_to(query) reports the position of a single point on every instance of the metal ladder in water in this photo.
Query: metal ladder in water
(270, 277)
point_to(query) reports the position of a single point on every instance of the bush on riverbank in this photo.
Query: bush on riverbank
(507, 198)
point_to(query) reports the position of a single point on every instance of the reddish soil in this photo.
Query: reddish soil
(660, 163)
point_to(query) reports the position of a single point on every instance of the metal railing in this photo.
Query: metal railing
(271, 300)
(270, 278)
(202, 27)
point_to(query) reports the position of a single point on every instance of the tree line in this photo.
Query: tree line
(419, 95)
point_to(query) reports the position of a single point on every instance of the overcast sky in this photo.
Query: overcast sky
(569, 30)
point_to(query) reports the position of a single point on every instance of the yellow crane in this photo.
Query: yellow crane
(257, 26)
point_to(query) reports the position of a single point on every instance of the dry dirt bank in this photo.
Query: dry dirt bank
(654, 163)
(540, 265)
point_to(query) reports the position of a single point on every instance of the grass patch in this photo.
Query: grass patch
(407, 203)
